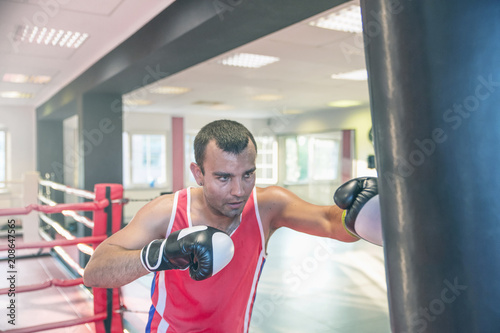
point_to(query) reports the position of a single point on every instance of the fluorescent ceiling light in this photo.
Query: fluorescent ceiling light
(347, 19)
(267, 97)
(344, 103)
(357, 75)
(137, 102)
(15, 94)
(169, 90)
(248, 60)
(50, 36)
(21, 78)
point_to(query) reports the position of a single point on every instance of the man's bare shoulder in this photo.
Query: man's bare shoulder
(155, 215)
(273, 197)
(160, 205)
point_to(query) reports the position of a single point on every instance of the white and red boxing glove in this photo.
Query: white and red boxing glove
(205, 250)
(361, 217)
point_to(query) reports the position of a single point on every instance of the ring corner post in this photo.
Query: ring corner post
(106, 222)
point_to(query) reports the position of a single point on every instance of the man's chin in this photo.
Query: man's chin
(234, 212)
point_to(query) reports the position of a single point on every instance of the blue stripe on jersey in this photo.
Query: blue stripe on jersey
(258, 279)
(152, 309)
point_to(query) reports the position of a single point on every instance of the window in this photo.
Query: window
(144, 160)
(267, 160)
(313, 157)
(3, 160)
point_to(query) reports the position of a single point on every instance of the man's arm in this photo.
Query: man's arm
(117, 260)
(281, 208)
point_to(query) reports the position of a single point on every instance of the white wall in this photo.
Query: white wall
(20, 122)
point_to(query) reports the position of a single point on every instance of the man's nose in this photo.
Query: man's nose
(237, 188)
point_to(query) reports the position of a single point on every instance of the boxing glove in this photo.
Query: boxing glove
(361, 217)
(205, 250)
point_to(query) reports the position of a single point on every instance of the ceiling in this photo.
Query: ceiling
(108, 23)
(308, 57)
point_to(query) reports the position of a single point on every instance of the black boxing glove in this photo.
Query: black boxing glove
(361, 217)
(205, 250)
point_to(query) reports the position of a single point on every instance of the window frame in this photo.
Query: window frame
(319, 135)
(274, 166)
(128, 165)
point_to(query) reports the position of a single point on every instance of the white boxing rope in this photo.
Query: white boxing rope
(64, 255)
(65, 233)
(71, 213)
(67, 189)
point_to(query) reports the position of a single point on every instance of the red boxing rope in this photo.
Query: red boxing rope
(66, 323)
(57, 242)
(107, 207)
(44, 285)
(84, 206)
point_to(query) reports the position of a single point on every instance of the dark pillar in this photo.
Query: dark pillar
(50, 156)
(434, 69)
(101, 139)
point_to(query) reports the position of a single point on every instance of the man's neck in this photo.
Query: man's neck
(202, 214)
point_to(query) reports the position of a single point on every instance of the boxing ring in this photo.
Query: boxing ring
(105, 203)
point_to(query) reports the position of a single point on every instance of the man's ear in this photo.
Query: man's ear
(197, 174)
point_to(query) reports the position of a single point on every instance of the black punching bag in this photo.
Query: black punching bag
(434, 79)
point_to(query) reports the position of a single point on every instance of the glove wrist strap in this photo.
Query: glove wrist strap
(349, 230)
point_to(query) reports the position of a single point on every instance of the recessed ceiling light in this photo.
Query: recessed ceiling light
(347, 19)
(222, 107)
(267, 97)
(292, 111)
(248, 60)
(207, 103)
(50, 36)
(169, 90)
(21, 78)
(15, 94)
(357, 75)
(344, 103)
(137, 102)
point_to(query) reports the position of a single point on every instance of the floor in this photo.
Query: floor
(311, 284)
(308, 284)
(53, 304)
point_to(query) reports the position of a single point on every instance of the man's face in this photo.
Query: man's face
(229, 179)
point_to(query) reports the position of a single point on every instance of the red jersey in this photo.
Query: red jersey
(222, 303)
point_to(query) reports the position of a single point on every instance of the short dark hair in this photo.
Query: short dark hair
(229, 135)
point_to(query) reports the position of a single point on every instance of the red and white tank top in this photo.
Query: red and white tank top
(222, 303)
